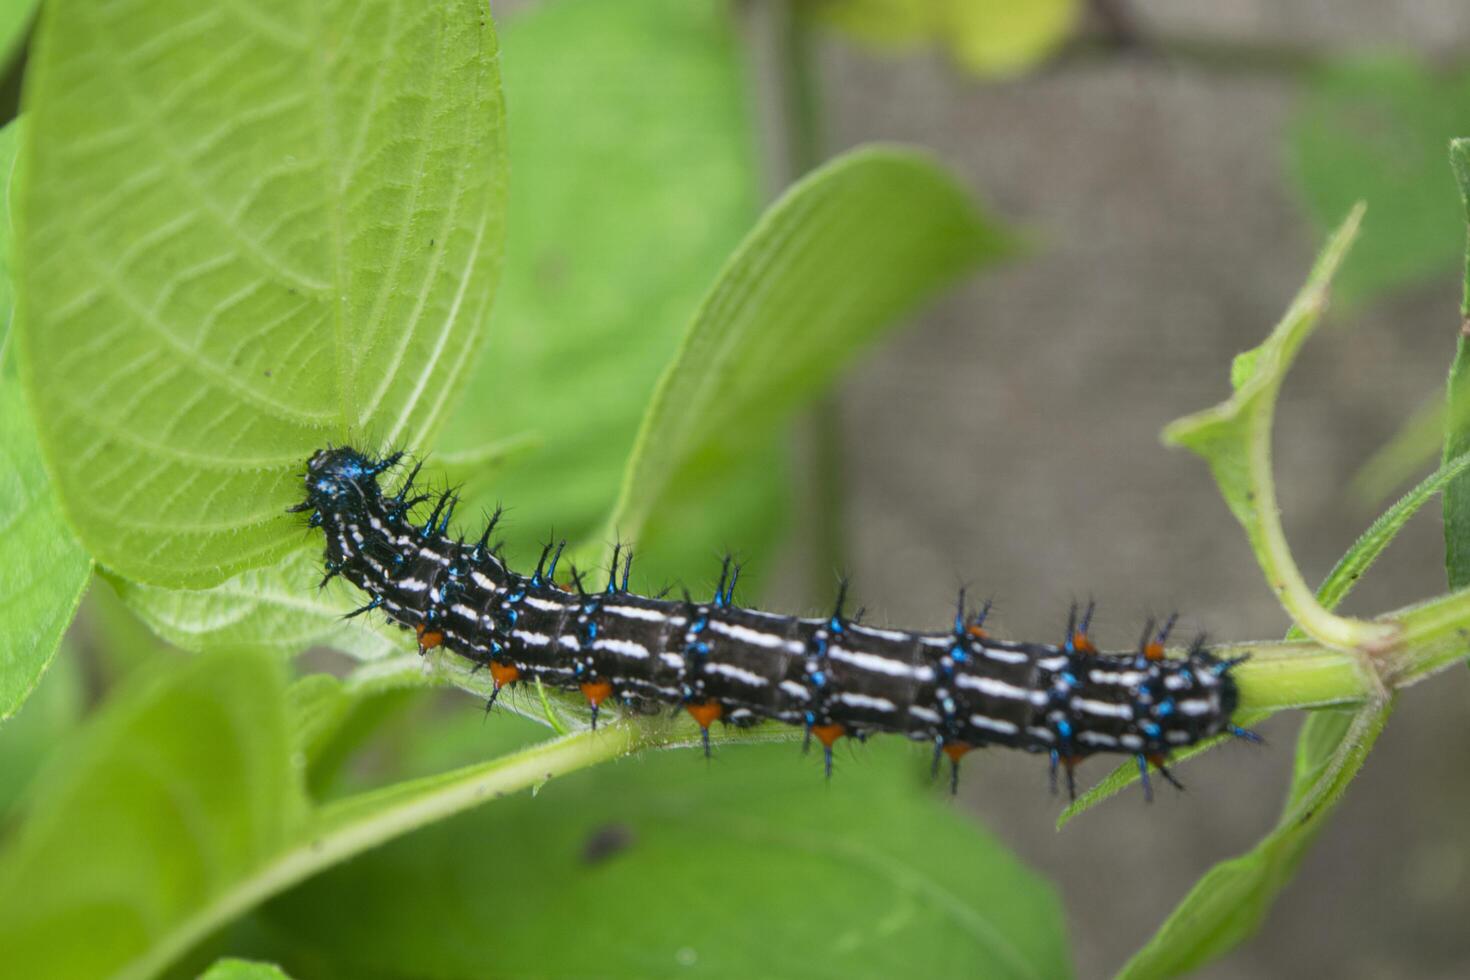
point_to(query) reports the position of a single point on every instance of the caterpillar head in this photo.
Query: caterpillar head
(340, 476)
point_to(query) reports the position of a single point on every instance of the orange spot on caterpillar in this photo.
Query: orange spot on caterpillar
(597, 691)
(428, 639)
(1082, 644)
(705, 713)
(827, 734)
(504, 673)
(1153, 650)
(956, 750)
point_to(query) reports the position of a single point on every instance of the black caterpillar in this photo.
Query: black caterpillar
(958, 689)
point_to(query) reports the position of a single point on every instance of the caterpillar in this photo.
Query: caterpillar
(958, 689)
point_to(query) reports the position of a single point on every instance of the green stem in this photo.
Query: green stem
(345, 828)
(349, 827)
(1280, 674)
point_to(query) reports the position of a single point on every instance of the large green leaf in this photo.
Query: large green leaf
(245, 230)
(281, 608)
(9, 144)
(1375, 129)
(837, 260)
(195, 770)
(43, 571)
(1457, 407)
(635, 176)
(189, 773)
(1227, 905)
(749, 867)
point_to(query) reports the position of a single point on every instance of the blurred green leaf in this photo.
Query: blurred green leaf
(1418, 442)
(1457, 403)
(1227, 905)
(991, 38)
(243, 970)
(196, 768)
(836, 261)
(245, 230)
(1002, 37)
(10, 137)
(1234, 437)
(1375, 129)
(280, 608)
(48, 715)
(16, 17)
(635, 176)
(753, 869)
(188, 769)
(43, 571)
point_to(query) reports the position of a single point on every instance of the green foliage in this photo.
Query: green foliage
(747, 868)
(49, 713)
(230, 969)
(191, 768)
(1234, 437)
(634, 168)
(281, 608)
(245, 231)
(1228, 904)
(43, 571)
(1375, 129)
(1457, 406)
(838, 259)
(989, 38)
(9, 145)
(16, 17)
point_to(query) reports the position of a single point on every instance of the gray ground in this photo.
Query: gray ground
(1011, 439)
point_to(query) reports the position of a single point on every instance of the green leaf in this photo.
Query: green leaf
(836, 261)
(754, 868)
(989, 38)
(16, 17)
(280, 608)
(1228, 904)
(635, 176)
(1370, 544)
(48, 715)
(1234, 437)
(1375, 129)
(43, 571)
(246, 230)
(196, 771)
(9, 145)
(243, 970)
(1457, 404)
(189, 772)
(1001, 38)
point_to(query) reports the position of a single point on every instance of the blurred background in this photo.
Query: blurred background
(1175, 166)
(1171, 169)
